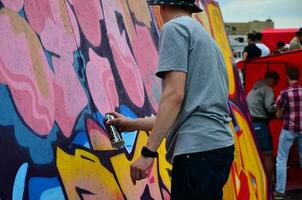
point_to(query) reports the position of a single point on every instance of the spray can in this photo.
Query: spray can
(113, 133)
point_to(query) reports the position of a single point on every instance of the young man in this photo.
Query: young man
(193, 110)
(264, 49)
(296, 42)
(251, 50)
(260, 101)
(290, 110)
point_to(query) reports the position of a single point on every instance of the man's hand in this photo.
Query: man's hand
(279, 113)
(124, 123)
(139, 169)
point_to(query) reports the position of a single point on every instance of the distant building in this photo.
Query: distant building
(245, 28)
(237, 33)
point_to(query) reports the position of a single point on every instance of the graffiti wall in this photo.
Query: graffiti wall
(63, 65)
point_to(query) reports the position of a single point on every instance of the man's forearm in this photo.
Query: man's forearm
(145, 124)
(169, 108)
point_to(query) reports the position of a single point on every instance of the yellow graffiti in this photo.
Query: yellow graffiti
(164, 165)
(222, 41)
(84, 170)
(121, 167)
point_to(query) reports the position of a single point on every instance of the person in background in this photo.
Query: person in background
(296, 42)
(264, 49)
(251, 50)
(289, 108)
(261, 100)
(286, 47)
(280, 48)
(193, 111)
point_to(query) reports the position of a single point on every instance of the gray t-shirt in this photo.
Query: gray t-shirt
(261, 100)
(203, 121)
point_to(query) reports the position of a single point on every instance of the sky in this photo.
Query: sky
(285, 13)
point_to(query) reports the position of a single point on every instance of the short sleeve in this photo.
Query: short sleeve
(173, 49)
(281, 100)
(294, 45)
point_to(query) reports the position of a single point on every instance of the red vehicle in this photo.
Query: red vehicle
(255, 69)
(272, 36)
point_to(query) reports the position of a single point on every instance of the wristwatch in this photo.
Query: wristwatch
(148, 153)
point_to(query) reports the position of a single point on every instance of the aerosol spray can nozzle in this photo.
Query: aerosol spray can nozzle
(113, 133)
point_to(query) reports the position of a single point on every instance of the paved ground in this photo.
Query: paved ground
(294, 183)
(294, 195)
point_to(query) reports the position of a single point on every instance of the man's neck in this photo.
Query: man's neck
(292, 82)
(177, 14)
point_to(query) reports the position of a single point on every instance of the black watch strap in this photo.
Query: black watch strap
(148, 153)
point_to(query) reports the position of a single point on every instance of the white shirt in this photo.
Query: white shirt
(264, 49)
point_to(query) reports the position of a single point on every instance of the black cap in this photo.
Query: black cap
(273, 75)
(182, 3)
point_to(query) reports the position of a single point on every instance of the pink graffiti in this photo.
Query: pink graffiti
(98, 137)
(34, 104)
(34, 15)
(70, 97)
(124, 60)
(15, 5)
(2, 78)
(166, 194)
(32, 86)
(88, 14)
(101, 83)
(51, 21)
(147, 62)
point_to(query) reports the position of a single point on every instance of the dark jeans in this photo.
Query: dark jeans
(263, 137)
(199, 176)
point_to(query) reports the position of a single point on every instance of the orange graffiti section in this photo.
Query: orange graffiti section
(247, 179)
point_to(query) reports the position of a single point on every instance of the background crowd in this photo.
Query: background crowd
(263, 107)
(256, 48)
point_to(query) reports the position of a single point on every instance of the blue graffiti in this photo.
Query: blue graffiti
(81, 139)
(48, 56)
(18, 189)
(129, 137)
(99, 118)
(45, 188)
(40, 149)
(53, 194)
